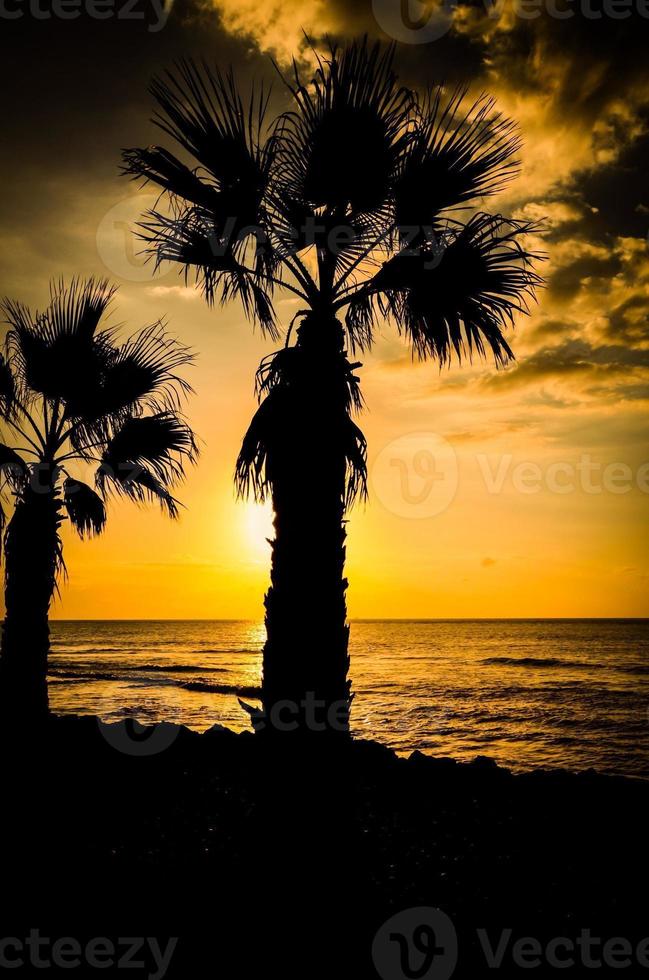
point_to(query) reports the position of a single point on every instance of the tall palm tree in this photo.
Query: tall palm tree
(72, 395)
(360, 200)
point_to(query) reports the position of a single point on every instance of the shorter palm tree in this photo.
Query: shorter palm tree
(71, 394)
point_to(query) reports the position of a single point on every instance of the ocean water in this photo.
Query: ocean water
(529, 693)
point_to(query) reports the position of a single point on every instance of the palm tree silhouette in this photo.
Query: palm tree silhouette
(71, 394)
(351, 201)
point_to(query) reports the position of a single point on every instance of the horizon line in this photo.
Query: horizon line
(360, 619)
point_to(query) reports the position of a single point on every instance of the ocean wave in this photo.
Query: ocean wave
(82, 648)
(73, 669)
(560, 663)
(240, 690)
(135, 649)
(537, 662)
(230, 650)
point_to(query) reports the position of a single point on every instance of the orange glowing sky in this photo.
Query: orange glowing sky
(577, 396)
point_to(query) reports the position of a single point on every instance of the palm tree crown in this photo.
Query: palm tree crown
(71, 394)
(352, 199)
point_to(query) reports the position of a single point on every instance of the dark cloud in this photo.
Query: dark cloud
(619, 192)
(567, 280)
(572, 357)
(620, 393)
(630, 320)
(75, 91)
(582, 58)
(452, 57)
(545, 328)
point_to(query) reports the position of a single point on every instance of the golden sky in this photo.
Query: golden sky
(542, 505)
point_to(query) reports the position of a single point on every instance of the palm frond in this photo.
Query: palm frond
(7, 389)
(202, 111)
(77, 308)
(290, 416)
(138, 484)
(157, 165)
(14, 473)
(363, 315)
(461, 298)
(191, 240)
(140, 374)
(456, 154)
(57, 353)
(274, 432)
(341, 146)
(251, 477)
(84, 507)
(145, 370)
(13, 468)
(355, 446)
(160, 443)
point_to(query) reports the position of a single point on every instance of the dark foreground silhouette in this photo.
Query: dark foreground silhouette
(264, 861)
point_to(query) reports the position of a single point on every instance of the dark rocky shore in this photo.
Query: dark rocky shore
(269, 860)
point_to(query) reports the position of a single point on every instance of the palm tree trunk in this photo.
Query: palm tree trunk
(305, 686)
(32, 557)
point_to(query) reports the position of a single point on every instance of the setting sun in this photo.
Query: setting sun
(258, 529)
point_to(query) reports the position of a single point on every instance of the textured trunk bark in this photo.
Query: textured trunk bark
(31, 553)
(305, 686)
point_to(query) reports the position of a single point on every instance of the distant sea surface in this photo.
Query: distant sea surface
(529, 693)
